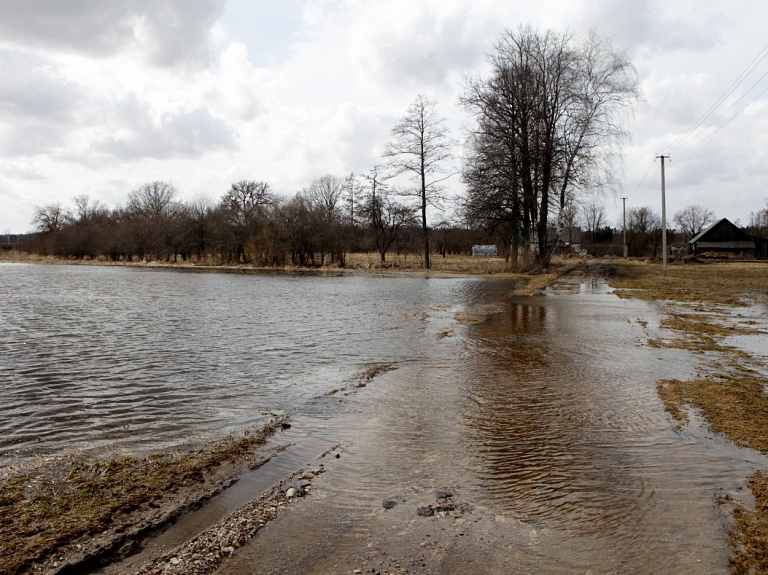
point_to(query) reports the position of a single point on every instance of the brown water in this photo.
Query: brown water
(544, 419)
(539, 414)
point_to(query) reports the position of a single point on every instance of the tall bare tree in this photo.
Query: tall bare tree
(548, 123)
(326, 193)
(419, 147)
(693, 219)
(242, 205)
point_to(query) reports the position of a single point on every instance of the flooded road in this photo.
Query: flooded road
(543, 423)
(516, 434)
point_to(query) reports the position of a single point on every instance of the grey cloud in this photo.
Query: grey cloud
(28, 87)
(37, 106)
(180, 29)
(647, 24)
(187, 134)
(430, 55)
(177, 31)
(22, 171)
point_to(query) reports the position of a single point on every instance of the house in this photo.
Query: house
(484, 251)
(723, 237)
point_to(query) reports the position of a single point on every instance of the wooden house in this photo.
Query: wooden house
(723, 237)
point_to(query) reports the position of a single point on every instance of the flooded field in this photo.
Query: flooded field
(530, 427)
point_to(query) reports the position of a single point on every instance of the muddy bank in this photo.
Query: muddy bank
(69, 514)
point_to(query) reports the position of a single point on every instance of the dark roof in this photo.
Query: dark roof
(722, 232)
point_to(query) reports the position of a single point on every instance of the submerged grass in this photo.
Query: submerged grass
(733, 399)
(53, 506)
(701, 334)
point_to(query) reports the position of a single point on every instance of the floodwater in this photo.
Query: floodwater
(539, 414)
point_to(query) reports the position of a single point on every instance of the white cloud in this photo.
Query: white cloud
(103, 95)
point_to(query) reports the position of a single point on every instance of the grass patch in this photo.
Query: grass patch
(735, 405)
(700, 334)
(41, 511)
(750, 537)
(719, 283)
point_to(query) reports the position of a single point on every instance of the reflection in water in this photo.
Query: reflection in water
(546, 450)
(569, 433)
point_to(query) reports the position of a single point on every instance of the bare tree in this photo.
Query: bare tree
(758, 221)
(419, 147)
(242, 205)
(352, 195)
(594, 217)
(152, 200)
(49, 219)
(643, 229)
(386, 217)
(149, 212)
(547, 125)
(693, 219)
(326, 193)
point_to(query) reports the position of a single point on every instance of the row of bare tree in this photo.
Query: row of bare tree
(248, 224)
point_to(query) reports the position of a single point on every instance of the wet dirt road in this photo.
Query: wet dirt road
(527, 438)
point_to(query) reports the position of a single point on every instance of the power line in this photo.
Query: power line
(724, 125)
(648, 171)
(735, 84)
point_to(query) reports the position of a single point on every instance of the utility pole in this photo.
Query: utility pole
(626, 249)
(663, 217)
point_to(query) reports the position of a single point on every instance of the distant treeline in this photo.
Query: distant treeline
(317, 226)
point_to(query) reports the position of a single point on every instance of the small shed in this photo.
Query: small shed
(724, 237)
(480, 251)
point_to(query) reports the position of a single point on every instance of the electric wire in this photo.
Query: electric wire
(735, 84)
(724, 125)
(642, 181)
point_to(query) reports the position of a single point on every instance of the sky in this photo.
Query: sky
(98, 97)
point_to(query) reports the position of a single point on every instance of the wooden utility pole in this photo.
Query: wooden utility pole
(626, 249)
(663, 217)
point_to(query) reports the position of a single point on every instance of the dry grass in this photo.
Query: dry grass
(700, 333)
(450, 264)
(50, 507)
(750, 536)
(735, 405)
(719, 283)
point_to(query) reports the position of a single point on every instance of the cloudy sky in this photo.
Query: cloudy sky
(100, 96)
